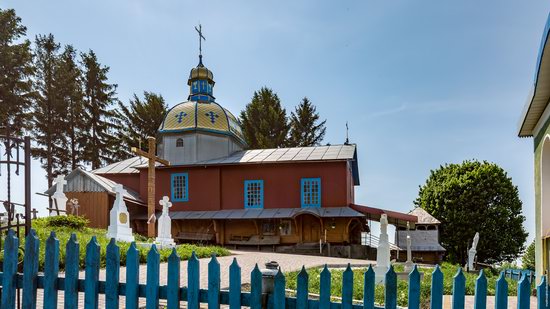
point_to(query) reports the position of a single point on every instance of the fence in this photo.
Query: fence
(31, 280)
(517, 274)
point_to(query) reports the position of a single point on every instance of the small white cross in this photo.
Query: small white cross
(59, 183)
(165, 201)
(119, 189)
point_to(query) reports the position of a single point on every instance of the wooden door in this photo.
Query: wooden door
(311, 229)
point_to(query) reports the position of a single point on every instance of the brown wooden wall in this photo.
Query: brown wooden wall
(222, 187)
(94, 206)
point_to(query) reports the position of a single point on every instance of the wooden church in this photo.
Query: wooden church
(224, 193)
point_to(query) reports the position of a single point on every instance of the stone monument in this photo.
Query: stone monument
(472, 253)
(59, 199)
(409, 265)
(382, 251)
(119, 223)
(164, 238)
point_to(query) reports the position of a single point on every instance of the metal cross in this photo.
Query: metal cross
(201, 37)
(180, 116)
(212, 116)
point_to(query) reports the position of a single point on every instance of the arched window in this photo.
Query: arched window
(420, 228)
(431, 228)
(179, 142)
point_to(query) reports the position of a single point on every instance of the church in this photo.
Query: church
(286, 199)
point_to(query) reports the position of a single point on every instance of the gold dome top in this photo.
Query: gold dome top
(206, 117)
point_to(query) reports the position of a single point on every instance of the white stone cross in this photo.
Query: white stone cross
(165, 203)
(59, 183)
(119, 190)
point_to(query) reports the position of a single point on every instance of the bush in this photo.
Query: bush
(43, 228)
(73, 222)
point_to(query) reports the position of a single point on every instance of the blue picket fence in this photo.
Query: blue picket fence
(174, 293)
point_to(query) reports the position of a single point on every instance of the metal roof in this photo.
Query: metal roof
(269, 213)
(400, 219)
(537, 100)
(315, 153)
(80, 180)
(123, 167)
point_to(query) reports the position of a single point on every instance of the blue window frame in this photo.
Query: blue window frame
(180, 187)
(311, 192)
(253, 194)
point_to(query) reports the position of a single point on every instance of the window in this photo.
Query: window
(179, 142)
(253, 194)
(180, 187)
(311, 192)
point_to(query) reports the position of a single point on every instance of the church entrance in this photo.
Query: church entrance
(311, 229)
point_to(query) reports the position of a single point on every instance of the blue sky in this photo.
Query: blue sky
(421, 83)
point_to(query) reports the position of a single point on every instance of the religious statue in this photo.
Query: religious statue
(74, 206)
(409, 265)
(119, 223)
(59, 198)
(382, 251)
(164, 238)
(472, 252)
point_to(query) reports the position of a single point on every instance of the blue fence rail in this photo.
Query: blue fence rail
(174, 293)
(517, 274)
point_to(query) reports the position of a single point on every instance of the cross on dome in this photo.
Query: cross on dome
(180, 116)
(212, 116)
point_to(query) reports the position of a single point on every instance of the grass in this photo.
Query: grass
(85, 234)
(448, 270)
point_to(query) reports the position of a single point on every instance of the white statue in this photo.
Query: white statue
(382, 251)
(59, 199)
(119, 223)
(472, 252)
(164, 238)
(409, 265)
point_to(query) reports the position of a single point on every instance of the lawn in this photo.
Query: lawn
(44, 226)
(448, 270)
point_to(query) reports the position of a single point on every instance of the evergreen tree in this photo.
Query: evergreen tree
(101, 129)
(140, 119)
(16, 70)
(305, 128)
(47, 110)
(68, 81)
(264, 121)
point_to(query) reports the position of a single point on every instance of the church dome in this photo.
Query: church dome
(206, 117)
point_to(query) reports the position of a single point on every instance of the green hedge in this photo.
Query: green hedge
(44, 226)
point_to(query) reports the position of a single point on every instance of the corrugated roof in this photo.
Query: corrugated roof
(123, 167)
(269, 213)
(106, 184)
(423, 216)
(316, 153)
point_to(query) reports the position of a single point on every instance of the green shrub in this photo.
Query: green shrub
(43, 228)
(73, 222)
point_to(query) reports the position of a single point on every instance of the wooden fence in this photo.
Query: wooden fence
(174, 293)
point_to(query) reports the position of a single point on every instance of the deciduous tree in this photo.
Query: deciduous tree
(475, 197)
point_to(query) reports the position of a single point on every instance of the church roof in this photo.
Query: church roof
(423, 216)
(80, 180)
(122, 167)
(207, 117)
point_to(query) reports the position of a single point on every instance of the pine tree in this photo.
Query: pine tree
(16, 70)
(68, 81)
(47, 110)
(264, 121)
(140, 119)
(305, 128)
(101, 129)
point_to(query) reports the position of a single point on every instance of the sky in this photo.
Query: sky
(421, 83)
